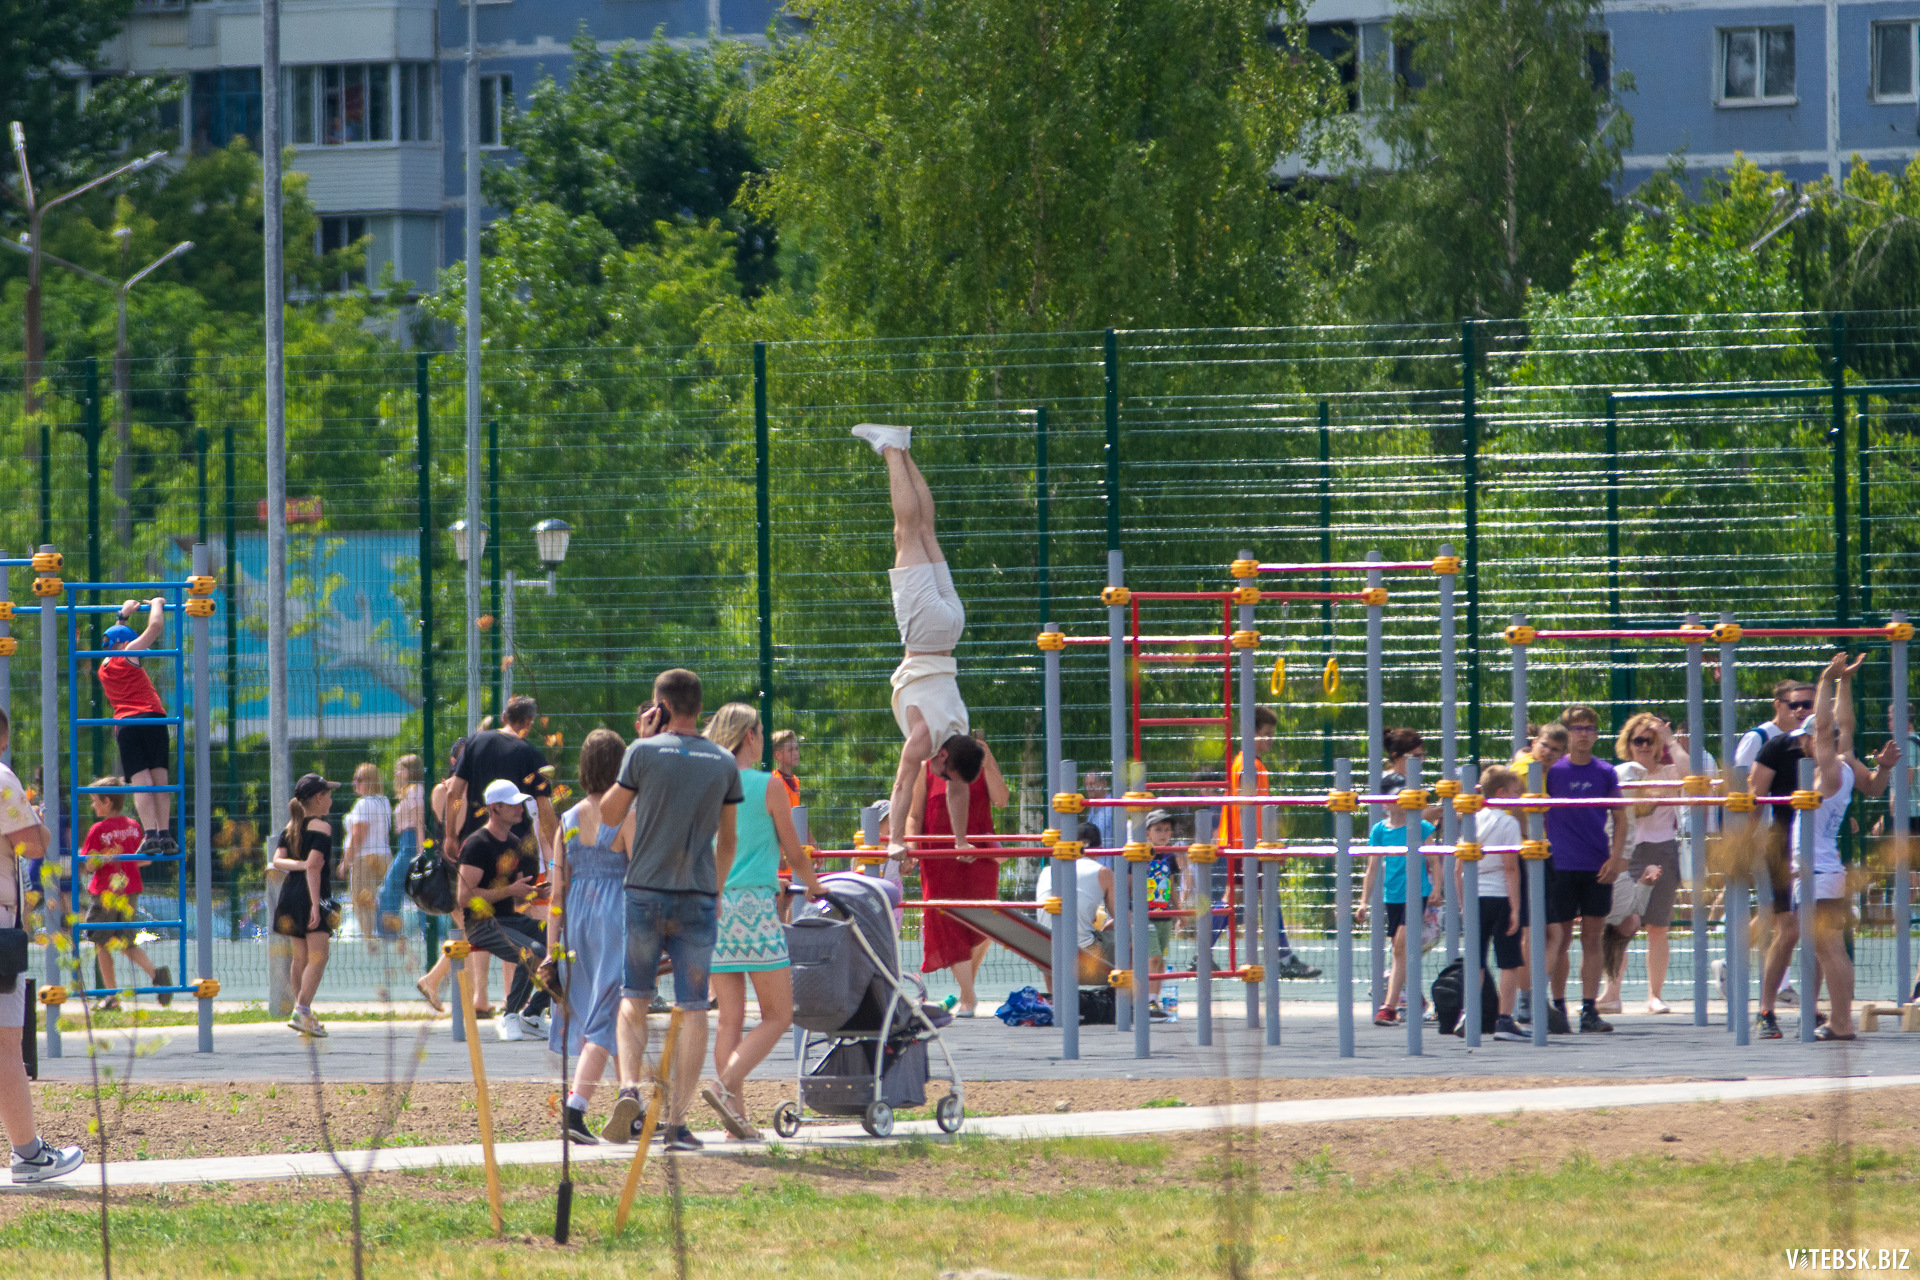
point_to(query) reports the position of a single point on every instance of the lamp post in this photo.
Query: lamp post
(123, 382)
(550, 539)
(36, 215)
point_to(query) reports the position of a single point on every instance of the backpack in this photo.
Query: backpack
(430, 882)
(1449, 1000)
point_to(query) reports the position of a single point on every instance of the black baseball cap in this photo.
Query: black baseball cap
(311, 785)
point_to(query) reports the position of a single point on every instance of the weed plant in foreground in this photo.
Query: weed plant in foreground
(1643, 1219)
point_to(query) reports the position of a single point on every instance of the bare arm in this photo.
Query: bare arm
(521, 887)
(997, 793)
(314, 862)
(1826, 753)
(959, 801)
(1759, 778)
(1876, 782)
(549, 824)
(453, 816)
(725, 843)
(615, 805)
(156, 624)
(780, 809)
(29, 842)
(917, 811)
(283, 861)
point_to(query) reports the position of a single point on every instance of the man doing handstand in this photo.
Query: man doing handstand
(926, 695)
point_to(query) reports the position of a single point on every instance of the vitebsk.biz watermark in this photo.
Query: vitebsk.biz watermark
(1849, 1259)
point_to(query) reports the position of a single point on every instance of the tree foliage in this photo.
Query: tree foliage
(1504, 159)
(1015, 165)
(641, 139)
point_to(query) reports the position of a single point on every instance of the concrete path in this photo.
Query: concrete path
(1643, 1046)
(156, 1173)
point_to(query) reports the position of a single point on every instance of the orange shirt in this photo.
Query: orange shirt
(1233, 784)
(792, 785)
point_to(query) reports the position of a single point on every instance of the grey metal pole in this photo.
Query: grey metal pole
(1252, 871)
(1449, 752)
(279, 752)
(1138, 925)
(1204, 832)
(1066, 882)
(1470, 919)
(202, 807)
(1803, 825)
(506, 638)
(471, 214)
(1533, 826)
(1697, 833)
(1270, 937)
(1117, 742)
(1343, 907)
(1416, 903)
(1737, 831)
(50, 789)
(1376, 733)
(1519, 691)
(1899, 818)
(1066, 928)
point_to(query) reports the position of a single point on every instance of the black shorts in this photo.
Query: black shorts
(1494, 913)
(143, 747)
(1572, 895)
(1396, 917)
(1780, 867)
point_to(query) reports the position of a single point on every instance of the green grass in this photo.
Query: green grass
(1642, 1219)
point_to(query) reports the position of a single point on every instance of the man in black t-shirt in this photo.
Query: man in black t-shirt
(497, 873)
(497, 754)
(1776, 772)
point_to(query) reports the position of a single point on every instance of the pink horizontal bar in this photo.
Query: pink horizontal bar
(1347, 567)
(1666, 633)
(1031, 839)
(1312, 595)
(1216, 638)
(1216, 801)
(1166, 720)
(1611, 802)
(1768, 633)
(1207, 659)
(1182, 595)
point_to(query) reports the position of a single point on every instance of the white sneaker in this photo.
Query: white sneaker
(1719, 971)
(537, 1027)
(509, 1027)
(1656, 1005)
(884, 438)
(1788, 996)
(52, 1162)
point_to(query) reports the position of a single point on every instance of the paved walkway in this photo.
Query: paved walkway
(983, 1049)
(156, 1173)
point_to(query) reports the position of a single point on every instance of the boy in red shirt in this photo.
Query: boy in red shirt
(111, 850)
(145, 749)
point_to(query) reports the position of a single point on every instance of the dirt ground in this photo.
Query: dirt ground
(159, 1121)
(1285, 1157)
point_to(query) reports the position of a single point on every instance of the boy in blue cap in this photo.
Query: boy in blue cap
(145, 749)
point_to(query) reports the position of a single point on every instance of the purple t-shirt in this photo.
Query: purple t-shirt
(1579, 836)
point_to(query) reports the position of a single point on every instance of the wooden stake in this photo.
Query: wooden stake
(458, 951)
(662, 1086)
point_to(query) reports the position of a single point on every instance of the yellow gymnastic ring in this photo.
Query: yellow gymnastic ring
(1330, 677)
(1277, 686)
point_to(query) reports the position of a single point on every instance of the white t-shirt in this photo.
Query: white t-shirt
(1088, 896)
(1495, 827)
(1751, 741)
(15, 815)
(1664, 822)
(372, 817)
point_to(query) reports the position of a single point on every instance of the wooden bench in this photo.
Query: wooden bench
(1873, 1010)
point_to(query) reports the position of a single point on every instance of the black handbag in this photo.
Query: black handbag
(14, 941)
(430, 883)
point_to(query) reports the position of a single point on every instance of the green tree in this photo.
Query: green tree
(1503, 159)
(1857, 250)
(1017, 165)
(641, 139)
(71, 126)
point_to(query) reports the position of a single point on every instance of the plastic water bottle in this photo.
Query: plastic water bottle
(949, 1003)
(1171, 1002)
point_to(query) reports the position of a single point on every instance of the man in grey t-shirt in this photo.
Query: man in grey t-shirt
(682, 791)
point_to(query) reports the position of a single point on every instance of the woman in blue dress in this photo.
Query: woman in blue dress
(589, 871)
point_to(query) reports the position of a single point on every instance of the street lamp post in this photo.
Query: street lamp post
(36, 215)
(550, 538)
(123, 382)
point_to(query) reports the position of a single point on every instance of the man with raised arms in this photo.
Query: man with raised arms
(927, 609)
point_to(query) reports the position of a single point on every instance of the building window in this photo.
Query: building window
(496, 104)
(1600, 61)
(355, 102)
(337, 233)
(416, 102)
(225, 106)
(1756, 65)
(1893, 61)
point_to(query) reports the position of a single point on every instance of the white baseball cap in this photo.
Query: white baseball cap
(502, 791)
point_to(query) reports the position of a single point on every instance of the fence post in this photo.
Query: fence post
(1326, 579)
(1376, 910)
(1470, 910)
(1809, 919)
(1697, 830)
(1415, 903)
(1865, 505)
(1449, 749)
(202, 793)
(429, 755)
(200, 457)
(96, 737)
(231, 552)
(1117, 671)
(1343, 908)
(763, 545)
(1899, 820)
(1837, 436)
(1043, 493)
(1619, 681)
(1737, 877)
(50, 790)
(493, 568)
(1470, 487)
(46, 482)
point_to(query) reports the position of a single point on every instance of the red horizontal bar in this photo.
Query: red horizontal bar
(1217, 659)
(1175, 786)
(1349, 566)
(1216, 638)
(1164, 720)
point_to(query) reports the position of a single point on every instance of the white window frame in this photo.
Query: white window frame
(315, 98)
(1759, 30)
(490, 86)
(1913, 61)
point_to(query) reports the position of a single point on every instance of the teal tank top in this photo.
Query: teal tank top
(756, 854)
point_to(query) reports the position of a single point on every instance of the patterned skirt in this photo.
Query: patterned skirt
(750, 939)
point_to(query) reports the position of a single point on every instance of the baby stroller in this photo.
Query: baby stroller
(865, 1026)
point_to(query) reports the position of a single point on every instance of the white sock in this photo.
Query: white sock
(577, 1102)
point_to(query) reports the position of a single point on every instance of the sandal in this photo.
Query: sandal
(1827, 1033)
(732, 1114)
(484, 1013)
(428, 994)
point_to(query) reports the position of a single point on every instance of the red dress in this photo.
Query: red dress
(944, 940)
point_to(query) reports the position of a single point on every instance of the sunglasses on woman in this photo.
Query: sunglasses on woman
(1643, 742)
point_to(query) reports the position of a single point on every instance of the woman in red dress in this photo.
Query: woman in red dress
(946, 942)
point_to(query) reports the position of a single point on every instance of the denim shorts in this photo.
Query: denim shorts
(683, 926)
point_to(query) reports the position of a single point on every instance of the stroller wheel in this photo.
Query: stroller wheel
(786, 1119)
(948, 1113)
(878, 1120)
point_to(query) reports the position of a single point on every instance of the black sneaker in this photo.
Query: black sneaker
(1768, 1026)
(1507, 1029)
(1590, 1021)
(1294, 967)
(163, 977)
(623, 1124)
(680, 1138)
(577, 1131)
(1557, 1020)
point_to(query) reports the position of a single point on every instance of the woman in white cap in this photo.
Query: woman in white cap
(306, 914)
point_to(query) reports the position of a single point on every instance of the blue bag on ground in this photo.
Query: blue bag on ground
(1025, 1008)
